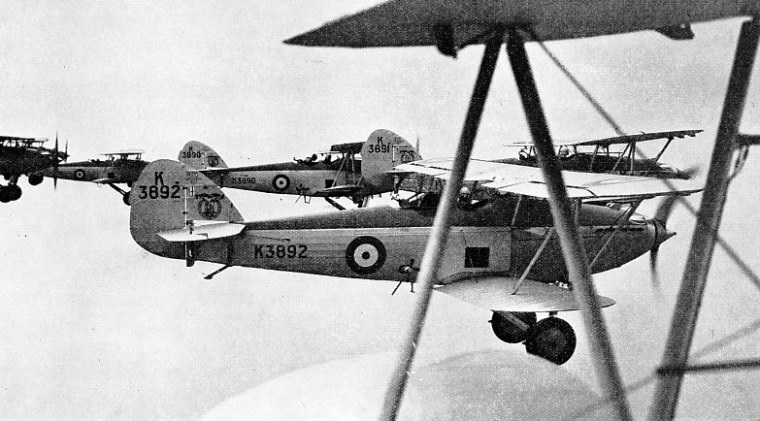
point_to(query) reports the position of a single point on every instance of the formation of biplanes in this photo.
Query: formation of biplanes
(519, 236)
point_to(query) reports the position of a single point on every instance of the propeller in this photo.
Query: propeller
(56, 159)
(661, 221)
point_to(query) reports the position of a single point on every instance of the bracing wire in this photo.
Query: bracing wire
(741, 158)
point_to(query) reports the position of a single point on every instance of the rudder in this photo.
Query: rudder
(170, 196)
(199, 156)
(383, 151)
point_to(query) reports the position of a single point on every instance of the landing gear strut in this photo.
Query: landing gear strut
(124, 194)
(552, 338)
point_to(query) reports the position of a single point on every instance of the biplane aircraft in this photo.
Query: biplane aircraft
(502, 252)
(453, 25)
(117, 168)
(25, 156)
(576, 156)
(355, 170)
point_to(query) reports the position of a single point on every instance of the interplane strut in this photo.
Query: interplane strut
(439, 232)
(567, 230)
(708, 221)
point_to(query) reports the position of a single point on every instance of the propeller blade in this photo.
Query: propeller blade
(662, 215)
(665, 209)
(653, 268)
(56, 160)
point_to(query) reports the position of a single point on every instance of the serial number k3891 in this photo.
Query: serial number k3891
(280, 251)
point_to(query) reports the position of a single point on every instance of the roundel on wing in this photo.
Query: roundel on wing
(281, 182)
(79, 174)
(365, 255)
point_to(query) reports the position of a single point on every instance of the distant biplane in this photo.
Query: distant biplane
(117, 168)
(576, 156)
(25, 156)
(355, 170)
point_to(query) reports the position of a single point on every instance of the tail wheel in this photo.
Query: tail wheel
(552, 339)
(507, 330)
(125, 197)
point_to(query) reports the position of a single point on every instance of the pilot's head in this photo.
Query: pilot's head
(465, 195)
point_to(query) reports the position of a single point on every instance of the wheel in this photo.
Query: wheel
(125, 197)
(4, 195)
(552, 339)
(35, 179)
(508, 331)
(14, 192)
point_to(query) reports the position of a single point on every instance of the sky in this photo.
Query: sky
(94, 327)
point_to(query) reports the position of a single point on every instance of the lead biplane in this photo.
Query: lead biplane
(117, 168)
(451, 25)
(356, 170)
(596, 155)
(25, 156)
(502, 253)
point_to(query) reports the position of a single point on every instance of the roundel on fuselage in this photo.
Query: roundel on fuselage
(281, 182)
(365, 255)
(79, 174)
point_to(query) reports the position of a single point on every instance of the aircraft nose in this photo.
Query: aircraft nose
(661, 234)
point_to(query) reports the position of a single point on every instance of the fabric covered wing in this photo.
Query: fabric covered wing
(338, 191)
(495, 293)
(619, 140)
(529, 181)
(416, 22)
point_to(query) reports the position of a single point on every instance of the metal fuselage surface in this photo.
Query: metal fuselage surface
(385, 243)
(113, 170)
(296, 178)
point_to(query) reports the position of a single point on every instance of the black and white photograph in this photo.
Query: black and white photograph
(379, 210)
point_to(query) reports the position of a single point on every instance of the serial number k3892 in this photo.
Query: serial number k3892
(280, 251)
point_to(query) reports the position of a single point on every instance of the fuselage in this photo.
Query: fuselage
(113, 170)
(16, 161)
(295, 178)
(498, 236)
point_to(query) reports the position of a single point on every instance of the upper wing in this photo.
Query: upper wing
(621, 140)
(496, 293)
(529, 181)
(459, 23)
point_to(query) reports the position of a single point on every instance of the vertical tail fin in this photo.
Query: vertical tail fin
(169, 196)
(382, 151)
(199, 156)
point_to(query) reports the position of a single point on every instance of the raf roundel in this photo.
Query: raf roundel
(365, 255)
(281, 182)
(79, 174)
